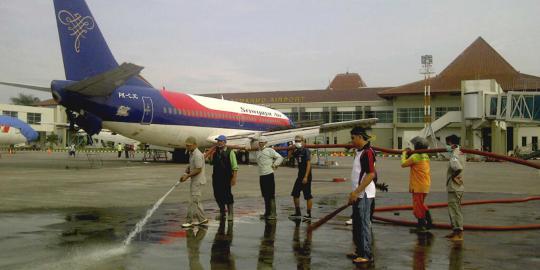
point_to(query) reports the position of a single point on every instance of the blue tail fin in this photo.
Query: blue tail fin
(84, 49)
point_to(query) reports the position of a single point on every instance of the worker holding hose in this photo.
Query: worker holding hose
(454, 187)
(363, 195)
(419, 182)
(225, 170)
(195, 172)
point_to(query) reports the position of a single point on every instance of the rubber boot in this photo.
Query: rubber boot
(420, 227)
(230, 212)
(429, 221)
(272, 215)
(221, 215)
(266, 208)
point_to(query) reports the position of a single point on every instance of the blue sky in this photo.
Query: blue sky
(235, 46)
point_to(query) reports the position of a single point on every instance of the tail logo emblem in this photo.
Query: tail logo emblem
(77, 24)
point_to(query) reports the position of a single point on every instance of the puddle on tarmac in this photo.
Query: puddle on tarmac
(92, 239)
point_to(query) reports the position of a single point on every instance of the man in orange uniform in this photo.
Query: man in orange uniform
(419, 182)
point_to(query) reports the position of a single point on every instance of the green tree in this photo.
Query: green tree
(23, 99)
(52, 139)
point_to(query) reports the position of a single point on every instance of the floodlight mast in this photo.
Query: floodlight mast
(427, 63)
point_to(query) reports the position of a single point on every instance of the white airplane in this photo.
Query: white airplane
(14, 131)
(98, 93)
(106, 137)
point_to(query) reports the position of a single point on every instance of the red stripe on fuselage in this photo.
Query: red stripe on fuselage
(185, 103)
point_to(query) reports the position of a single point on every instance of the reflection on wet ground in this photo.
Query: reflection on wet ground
(421, 250)
(266, 248)
(221, 256)
(92, 239)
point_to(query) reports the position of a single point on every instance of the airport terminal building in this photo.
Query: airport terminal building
(479, 96)
(346, 98)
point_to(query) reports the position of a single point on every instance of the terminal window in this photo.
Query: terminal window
(33, 118)
(313, 115)
(410, 115)
(10, 113)
(440, 111)
(383, 116)
(344, 116)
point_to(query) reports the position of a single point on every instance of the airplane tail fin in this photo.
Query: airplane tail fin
(84, 50)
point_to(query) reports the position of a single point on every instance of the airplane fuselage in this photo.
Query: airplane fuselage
(167, 118)
(10, 135)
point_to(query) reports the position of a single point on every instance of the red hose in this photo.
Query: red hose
(434, 150)
(466, 227)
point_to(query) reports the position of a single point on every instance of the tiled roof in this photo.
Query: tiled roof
(46, 103)
(476, 62)
(346, 81)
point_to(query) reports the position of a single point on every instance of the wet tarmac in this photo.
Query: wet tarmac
(92, 239)
(61, 213)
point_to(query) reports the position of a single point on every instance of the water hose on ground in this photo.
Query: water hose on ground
(407, 207)
(326, 218)
(465, 227)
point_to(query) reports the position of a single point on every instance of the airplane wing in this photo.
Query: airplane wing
(348, 124)
(33, 87)
(105, 83)
(99, 85)
(249, 140)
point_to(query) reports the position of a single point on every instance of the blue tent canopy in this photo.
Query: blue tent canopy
(25, 129)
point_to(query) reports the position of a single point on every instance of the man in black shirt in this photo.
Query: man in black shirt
(303, 181)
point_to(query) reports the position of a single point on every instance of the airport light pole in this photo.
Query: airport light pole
(427, 63)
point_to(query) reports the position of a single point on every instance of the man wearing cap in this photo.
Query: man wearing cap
(363, 194)
(268, 160)
(419, 182)
(225, 168)
(302, 184)
(195, 172)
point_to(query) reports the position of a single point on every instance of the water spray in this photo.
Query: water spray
(142, 222)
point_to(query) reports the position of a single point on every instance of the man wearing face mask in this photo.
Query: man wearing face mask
(268, 160)
(224, 173)
(303, 181)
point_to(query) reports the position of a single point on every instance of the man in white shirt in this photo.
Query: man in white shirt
(363, 173)
(454, 186)
(268, 160)
(195, 172)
